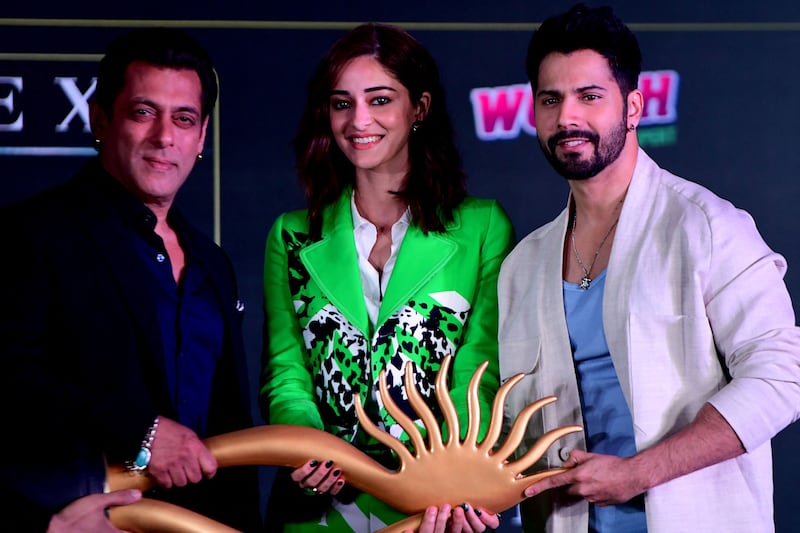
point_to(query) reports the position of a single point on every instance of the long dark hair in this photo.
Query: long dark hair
(436, 182)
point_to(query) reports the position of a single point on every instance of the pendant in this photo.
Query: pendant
(585, 282)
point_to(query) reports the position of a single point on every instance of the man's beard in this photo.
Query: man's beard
(605, 153)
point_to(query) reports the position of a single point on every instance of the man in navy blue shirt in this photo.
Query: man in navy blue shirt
(121, 327)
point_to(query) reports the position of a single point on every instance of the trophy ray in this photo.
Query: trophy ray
(452, 471)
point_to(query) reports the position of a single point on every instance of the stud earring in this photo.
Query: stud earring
(415, 126)
(199, 157)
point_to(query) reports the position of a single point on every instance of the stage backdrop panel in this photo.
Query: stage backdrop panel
(718, 79)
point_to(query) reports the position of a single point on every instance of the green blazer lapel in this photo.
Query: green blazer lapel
(332, 263)
(420, 258)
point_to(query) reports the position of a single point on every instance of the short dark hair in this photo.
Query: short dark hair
(584, 28)
(436, 182)
(163, 47)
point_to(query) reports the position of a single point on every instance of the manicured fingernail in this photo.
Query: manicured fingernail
(465, 507)
(313, 462)
(340, 482)
(329, 464)
(336, 472)
(478, 512)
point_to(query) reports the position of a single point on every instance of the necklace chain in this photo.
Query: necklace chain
(586, 280)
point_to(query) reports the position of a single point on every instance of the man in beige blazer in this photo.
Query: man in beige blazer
(668, 290)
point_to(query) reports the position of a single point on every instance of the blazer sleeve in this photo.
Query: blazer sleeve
(47, 458)
(286, 394)
(480, 338)
(751, 315)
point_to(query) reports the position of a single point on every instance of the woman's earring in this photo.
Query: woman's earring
(415, 126)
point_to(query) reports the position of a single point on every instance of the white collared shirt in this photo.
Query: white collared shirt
(366, 234)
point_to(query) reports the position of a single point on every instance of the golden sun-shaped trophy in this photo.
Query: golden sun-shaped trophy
(434, 473)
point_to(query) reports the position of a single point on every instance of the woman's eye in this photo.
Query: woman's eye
(338, 105)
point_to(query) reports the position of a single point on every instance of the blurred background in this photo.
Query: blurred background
(719, 79)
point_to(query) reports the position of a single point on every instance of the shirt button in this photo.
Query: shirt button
(160, 258)
(563, 453)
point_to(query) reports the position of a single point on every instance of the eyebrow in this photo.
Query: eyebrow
(181, 109)
(553, 92)
(380, 88)
(335, 92)
(548, 92)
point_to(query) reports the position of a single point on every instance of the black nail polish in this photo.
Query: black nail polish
(465, 507)
(478, 512)
(328, 464)
(340, 482)
(313, 462)
(336, 472)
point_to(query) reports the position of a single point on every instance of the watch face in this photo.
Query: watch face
(142, 459)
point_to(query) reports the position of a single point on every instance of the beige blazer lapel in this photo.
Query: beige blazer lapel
(625, 249)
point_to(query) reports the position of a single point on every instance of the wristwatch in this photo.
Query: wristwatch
(142, 461)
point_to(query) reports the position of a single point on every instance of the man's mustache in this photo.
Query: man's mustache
(572, 134)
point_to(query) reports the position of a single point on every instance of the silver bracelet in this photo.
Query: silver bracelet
(140, 464)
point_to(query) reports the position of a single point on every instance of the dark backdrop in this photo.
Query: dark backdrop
(733, 65)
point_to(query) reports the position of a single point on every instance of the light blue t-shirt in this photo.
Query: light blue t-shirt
(606, 417)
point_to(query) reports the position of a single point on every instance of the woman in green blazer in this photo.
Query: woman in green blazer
(390, 263)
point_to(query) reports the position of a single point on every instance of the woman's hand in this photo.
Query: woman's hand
(464, 519)
(319, 478)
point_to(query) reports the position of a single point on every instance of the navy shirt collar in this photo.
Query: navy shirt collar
(136, 215)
